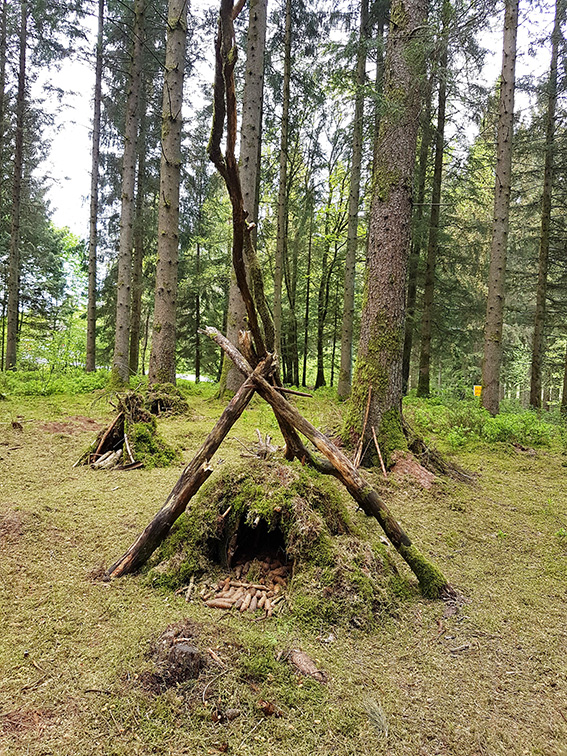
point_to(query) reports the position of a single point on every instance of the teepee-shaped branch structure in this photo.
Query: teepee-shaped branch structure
(258, 366)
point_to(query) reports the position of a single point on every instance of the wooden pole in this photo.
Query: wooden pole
(192, 478)
(432, 582)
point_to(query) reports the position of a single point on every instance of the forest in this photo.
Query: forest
(283, 430)
(316, 86)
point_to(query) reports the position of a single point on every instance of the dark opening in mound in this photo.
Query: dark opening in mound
(256, 542)
(273, 537)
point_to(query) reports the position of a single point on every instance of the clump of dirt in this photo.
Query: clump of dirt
(176, 657)
(406, 464)
(266, 537)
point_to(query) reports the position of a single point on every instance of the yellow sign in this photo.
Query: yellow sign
(477, 390)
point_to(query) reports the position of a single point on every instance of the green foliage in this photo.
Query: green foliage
(460, 423)
(45, 381)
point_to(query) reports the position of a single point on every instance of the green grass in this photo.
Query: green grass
(490, 679)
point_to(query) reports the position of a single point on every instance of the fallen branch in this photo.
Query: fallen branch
(192, 478)
(431, 580)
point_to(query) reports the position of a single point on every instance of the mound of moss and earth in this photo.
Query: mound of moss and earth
(275, 537)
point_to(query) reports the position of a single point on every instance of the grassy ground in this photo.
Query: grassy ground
(491, 679)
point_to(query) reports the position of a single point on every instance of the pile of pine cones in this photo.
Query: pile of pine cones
(234, 592)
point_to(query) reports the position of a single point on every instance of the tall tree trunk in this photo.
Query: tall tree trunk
(3, 98)
(418, 236)
(379, 360)
(564, 392)
(281, 239)
(2, 153)
(138, 256)
(539, 322)
(492, 360)
(198, 315)
(14, 255)
(290, 277)
(120, 361)
(323, 296)
(345, 373)
(162, 356)
(335, 329)
(93, 235)
(423, 387)
(308, 290)
(250, 150)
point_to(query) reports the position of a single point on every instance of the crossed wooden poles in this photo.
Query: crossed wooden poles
(432, 582)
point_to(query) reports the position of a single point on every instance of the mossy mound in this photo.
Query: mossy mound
(140, 427)
(149, 447)
(165, 399)
(251, 515)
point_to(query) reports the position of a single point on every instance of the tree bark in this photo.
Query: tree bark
(281, 239)
(93, 233)
(541, 292)
(309, 202)
(120, 361)
(138, 252)
(423, 387)
(162, 356)
(379, 10)
(492, 359)
(564, 392)
(418, 235)
(379, 360)
(14, 253)
(345, 373)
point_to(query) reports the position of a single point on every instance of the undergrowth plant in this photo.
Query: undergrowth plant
(466, 422)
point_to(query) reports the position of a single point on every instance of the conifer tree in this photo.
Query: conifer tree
(377, 381)
(162, 359)
(492, 359)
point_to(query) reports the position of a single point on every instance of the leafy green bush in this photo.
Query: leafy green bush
(526, 429)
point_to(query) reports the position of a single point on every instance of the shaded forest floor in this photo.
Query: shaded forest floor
(490, 679)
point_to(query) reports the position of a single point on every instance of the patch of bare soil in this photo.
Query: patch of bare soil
(406, 464)
(72, 425)
(11, 526)
(23, 720)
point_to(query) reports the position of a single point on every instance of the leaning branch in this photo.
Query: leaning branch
(227, 164)
(431, 580)
(192, 478)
